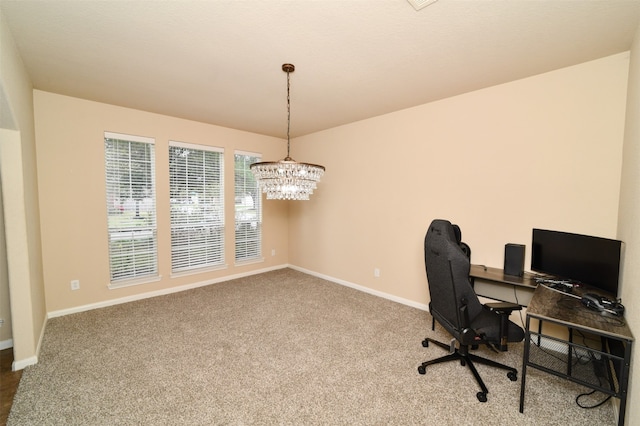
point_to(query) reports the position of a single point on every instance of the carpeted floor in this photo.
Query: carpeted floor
(277, 348)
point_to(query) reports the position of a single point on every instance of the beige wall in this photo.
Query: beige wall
(70, 144)
(628, 225)
(545, 151)
(20, 203)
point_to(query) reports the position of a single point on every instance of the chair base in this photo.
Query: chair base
(462, 354)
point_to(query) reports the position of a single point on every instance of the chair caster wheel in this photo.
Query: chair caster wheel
(422, 369)
(512, 376)
(482, 397)
(425, 343)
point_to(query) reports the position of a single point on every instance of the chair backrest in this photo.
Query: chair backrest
(448, 275)
(464, 246)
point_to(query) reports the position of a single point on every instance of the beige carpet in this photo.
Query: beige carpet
(277, 348)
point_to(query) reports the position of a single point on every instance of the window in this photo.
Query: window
(131, 207)
(248, 202)
(197, 208)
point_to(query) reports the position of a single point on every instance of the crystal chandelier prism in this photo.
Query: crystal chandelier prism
(287, 179)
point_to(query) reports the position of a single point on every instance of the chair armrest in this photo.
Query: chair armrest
(502, 308)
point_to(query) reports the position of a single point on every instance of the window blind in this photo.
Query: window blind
(197, 206)
(131, 206)
(248, 209)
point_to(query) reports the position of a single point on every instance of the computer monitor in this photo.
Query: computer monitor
(589, 260)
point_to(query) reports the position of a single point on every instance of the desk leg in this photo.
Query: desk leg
(624, 382)
(570, 352)
(610, 371)
(525, 361)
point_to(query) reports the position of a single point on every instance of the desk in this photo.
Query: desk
(493, 283)
(605, 369)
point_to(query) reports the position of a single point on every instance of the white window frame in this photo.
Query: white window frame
(131, 222)
(197, 211)
(248, 212)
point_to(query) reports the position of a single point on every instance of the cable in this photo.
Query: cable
(582, 312)
(560, 291)
(590, 406)
(590, 358)
(515, 294)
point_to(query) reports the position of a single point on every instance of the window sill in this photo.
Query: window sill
(249, 261)
(137, 281)
(198, 271)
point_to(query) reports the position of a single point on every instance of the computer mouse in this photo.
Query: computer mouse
(602, 304)
(592, 301)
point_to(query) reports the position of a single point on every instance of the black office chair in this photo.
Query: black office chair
(467, 251)
(455, 306)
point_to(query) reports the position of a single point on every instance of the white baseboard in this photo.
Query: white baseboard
(20, 364)
(113, 302)
(24, 363)
(421, 306)
(6, 344)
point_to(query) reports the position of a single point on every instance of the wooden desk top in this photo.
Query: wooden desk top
(498, 275)
(551, 305)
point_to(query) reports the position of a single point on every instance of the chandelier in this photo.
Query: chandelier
(287, 179)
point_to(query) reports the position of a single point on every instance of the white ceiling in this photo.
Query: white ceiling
(219, 61)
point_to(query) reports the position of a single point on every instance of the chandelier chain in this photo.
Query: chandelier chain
(288, 113)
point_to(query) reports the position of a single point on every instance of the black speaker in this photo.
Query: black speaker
(514, 259)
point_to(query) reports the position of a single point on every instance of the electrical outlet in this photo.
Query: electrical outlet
(1, 322)
(273, 252)
(75, 285)
(376, 272)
